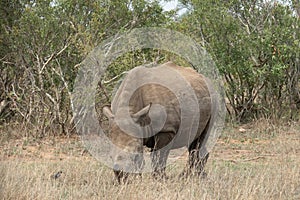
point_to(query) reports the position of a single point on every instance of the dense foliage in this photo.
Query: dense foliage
(256, 46)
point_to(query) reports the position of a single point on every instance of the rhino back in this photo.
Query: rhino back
(142, 87)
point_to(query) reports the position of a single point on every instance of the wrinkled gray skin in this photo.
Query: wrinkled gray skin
(144, 113)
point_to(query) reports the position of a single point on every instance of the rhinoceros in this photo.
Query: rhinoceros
(163, 108)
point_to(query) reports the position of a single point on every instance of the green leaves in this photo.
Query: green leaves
(44, 42)
(256, 47)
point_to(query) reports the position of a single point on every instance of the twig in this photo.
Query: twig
(250, 159)
(106, 82)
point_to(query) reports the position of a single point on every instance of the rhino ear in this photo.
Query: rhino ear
(107, 112)
(141, 114)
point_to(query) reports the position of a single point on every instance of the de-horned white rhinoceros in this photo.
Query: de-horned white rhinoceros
(163, 108)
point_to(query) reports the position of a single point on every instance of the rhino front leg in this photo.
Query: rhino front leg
(159, 161)
(160, 155)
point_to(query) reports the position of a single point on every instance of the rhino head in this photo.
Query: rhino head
(127, 154)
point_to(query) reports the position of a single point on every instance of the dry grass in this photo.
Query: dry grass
(259, 161)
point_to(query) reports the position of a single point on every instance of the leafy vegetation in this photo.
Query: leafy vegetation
(255, 45)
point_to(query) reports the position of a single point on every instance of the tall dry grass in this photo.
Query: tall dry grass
(248, 163)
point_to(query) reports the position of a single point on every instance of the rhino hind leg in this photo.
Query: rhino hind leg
(196, 163)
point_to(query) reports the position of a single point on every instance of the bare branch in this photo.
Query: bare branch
(53, 55)
(245, 25)
(296, 5)
(51, 98)
(47, 62)
(114, 78)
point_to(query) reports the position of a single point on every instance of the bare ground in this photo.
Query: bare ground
(255, 161)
